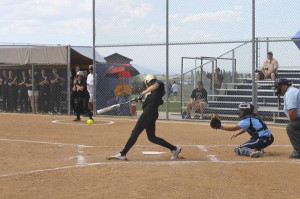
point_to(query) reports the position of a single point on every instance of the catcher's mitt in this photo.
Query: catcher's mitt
(215, 122)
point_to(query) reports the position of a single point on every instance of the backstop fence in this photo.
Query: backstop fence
(185, 43)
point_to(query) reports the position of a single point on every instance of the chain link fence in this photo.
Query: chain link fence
(209, 43)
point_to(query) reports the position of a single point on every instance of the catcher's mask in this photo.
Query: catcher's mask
(280, 83)
(246, 108)
(148, 79)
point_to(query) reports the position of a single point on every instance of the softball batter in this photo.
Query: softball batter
(155, 90)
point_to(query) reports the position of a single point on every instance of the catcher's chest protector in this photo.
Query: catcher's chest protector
(253, 132)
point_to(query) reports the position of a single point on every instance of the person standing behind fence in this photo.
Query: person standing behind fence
(44, 99)
(12, 92)
(4, 90)
(74, 80)
(33, 94)
(122, 92)
(175, 90)
(217, 78)
(56, 89)
(23, 95)
(90, 87)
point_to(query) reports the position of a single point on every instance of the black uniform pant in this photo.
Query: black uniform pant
(56, 98)
(12, 98)
(5, 99)
(44, 101)
(293, 131)
(23, 100)
(80, 107)
(146, 121)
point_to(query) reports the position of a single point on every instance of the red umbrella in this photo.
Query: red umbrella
(126, 71)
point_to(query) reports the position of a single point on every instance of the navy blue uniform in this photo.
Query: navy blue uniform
(147, 120)
(261, 136)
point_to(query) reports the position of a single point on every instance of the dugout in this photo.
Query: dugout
(18, 58)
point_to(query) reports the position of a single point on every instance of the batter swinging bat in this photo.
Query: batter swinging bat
(115, 106)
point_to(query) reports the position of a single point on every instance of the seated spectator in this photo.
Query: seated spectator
(268, 69)
(122, 93)
(198, 100)
(33, 92)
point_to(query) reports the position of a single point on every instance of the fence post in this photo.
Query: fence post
(167, 56)
(233, 67)
(32, 89)
(254, 87)
(68, 80)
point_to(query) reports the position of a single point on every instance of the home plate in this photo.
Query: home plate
(152, 152)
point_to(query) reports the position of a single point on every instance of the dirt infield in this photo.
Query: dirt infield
(52, 157)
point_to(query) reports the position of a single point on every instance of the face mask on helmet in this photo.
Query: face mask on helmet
(245, 109)
(280, 83)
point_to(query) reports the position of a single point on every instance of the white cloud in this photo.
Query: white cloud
(221, 16)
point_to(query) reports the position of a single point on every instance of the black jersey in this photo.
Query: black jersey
(29, 81)
(4, 83)
(84, 93)
(155, 98)
(199, 94)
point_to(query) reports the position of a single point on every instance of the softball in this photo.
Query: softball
(90, 122)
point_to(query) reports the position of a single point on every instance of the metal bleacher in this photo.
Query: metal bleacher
(234, 93)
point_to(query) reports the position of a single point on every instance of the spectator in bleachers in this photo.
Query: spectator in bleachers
(122, 93)
(175, 90)
(33, 93)
(23, 95)
(4, 90)
(218, 79)
(44, 98)
(12, 92)
(198, 100)
(268, 69)
(56, 88)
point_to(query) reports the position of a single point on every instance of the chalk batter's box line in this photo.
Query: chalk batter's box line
(137, 146)
(212, 158)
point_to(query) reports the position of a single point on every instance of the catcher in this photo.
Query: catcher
(261, 136)
(155, 90)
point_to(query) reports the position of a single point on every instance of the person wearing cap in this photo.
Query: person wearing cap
(90, 87)
(198, 100)
(268, 69)
(261, 136)
(292, 110)
(80, 87)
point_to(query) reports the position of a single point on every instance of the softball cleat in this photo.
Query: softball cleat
(175, 153)
(118, 156)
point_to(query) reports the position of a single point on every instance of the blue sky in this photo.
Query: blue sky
(134, 21)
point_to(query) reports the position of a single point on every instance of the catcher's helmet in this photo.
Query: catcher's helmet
(279, 83)
(247, 108)
(148, 79)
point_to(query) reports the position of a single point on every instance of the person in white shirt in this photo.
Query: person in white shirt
(268, 69)
(90, 87)
(175, 90)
